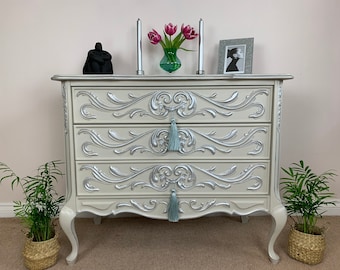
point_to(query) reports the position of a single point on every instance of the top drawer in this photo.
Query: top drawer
(221, 104)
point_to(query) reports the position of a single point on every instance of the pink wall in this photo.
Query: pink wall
(43, 38)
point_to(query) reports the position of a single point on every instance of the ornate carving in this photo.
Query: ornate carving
(158, 141)
(203, 206)
(194, 205)
(182, 103)
(182, 176)
(145, 207)
(65, 108)
(279, 107)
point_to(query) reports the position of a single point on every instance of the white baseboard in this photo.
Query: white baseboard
(332, 210)
(6, 210)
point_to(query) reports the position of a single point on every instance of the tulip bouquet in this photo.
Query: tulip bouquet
(187, 32)
(170, 62)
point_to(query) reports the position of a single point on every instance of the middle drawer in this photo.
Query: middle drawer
(119, 142)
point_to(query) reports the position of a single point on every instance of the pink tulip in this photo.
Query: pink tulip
(170, 29)
(154, 37)
(188, 32)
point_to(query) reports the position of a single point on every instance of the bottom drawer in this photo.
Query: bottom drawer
(157, 207)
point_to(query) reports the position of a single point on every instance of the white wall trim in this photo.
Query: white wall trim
(6, 210)
(332, 210)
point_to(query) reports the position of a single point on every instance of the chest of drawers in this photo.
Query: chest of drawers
(117, 135)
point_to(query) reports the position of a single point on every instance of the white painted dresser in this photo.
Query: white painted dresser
(117, 131)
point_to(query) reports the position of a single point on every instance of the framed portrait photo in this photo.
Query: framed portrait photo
(235, 56)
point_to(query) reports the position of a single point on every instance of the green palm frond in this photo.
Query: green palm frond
(42, 203)
(304, 193)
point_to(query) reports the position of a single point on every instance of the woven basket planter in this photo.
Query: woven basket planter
(41, 255)
(307, 248)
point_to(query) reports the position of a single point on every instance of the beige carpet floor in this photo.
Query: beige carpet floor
(216, 243)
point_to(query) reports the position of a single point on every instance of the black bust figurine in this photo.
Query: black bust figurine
(98, 61)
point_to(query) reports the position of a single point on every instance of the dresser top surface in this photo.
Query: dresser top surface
(99, 77)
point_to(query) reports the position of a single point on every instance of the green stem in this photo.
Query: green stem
(171, 54)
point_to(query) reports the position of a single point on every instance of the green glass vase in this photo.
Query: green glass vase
(170, 62)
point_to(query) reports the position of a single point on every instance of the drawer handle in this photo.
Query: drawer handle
(173, 208)
(174, 142)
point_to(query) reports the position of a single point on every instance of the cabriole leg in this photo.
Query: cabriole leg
(66, 220)
(279, 219)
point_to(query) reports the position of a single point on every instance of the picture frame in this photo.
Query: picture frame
(235, 56)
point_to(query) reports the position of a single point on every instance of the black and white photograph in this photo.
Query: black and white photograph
(235, 56)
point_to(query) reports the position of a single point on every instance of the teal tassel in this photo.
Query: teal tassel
(173, 208)
(174, 142)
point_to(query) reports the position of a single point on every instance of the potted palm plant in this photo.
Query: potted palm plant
(305, 193)
(38, 213)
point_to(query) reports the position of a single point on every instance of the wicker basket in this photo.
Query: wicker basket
(304, 247)
(41, 255)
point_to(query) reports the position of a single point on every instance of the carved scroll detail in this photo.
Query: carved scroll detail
(194, 205)
(158, 141)
(163, 103)
(182, 176)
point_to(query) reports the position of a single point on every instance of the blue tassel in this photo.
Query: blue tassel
(174, 142)
(173, 207)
